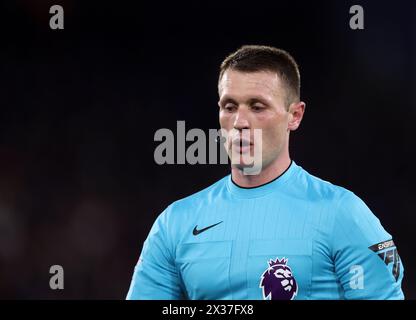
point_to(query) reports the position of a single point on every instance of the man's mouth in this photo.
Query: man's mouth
(241, 145)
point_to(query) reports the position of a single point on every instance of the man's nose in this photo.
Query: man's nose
(241, 120)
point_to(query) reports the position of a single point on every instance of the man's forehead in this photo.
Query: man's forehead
(263, 82)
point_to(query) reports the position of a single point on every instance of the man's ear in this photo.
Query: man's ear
(296, 110)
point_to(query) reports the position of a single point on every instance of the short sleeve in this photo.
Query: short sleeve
(366, 259)
(155, 275)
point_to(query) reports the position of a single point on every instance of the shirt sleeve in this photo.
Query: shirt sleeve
(366, 260)
(155, 276)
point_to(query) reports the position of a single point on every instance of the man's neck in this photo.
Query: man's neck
(271, 172)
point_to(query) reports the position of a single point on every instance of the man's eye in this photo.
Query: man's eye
(230, 108)
(257, 108)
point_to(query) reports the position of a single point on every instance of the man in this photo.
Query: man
(278, 234)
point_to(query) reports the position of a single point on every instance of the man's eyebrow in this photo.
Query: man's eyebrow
(257, 99)
(226, 100)
(250, 101)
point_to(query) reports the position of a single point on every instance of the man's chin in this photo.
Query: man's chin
(241, 166)
(240, 162)
(248, 169)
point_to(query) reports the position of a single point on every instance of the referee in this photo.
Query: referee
(281, 234)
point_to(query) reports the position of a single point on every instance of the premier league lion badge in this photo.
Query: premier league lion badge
(278, 282)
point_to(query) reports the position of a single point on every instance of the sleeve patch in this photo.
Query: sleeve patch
(387, 252)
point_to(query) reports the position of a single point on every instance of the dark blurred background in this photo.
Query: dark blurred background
(79, 108)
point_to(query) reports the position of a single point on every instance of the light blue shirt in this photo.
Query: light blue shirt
(296, 237)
